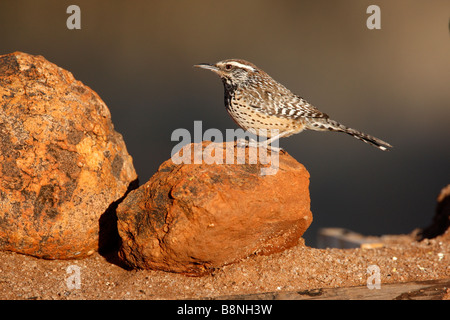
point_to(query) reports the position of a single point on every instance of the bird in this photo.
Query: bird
(262, 106)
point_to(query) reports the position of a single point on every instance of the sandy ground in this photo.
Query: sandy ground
(401, 259)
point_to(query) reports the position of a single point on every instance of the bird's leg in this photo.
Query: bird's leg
(253, 143)
(267, 143)
(241, 143)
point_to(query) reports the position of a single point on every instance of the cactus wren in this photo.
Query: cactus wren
(258, 104)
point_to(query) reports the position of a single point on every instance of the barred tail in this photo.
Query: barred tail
(325, 124)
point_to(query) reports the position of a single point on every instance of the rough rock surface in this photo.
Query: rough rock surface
(192, 218)
(61, 162)
(441, 220)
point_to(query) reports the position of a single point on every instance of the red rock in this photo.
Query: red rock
(61, 162)
(441, 219)
(192, 218)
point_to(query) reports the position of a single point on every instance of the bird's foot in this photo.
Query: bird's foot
(243, 143)
(264, 144)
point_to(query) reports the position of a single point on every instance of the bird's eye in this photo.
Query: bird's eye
(228, 67)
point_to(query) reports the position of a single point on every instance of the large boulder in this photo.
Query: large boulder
(62, 165)
(441, 219)
(191, 218)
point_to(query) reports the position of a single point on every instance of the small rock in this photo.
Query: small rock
(441, 219)
(61, 162)
(192, 218)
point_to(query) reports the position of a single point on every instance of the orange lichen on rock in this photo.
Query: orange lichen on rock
(61, 162)
(191, 218)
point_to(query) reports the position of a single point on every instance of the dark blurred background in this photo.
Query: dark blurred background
(393, 83)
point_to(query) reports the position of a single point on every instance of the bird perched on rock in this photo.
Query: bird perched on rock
(261, 105)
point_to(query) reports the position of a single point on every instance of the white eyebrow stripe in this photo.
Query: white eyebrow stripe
(240, 65)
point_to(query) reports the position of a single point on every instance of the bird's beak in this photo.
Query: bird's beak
(208, 66)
